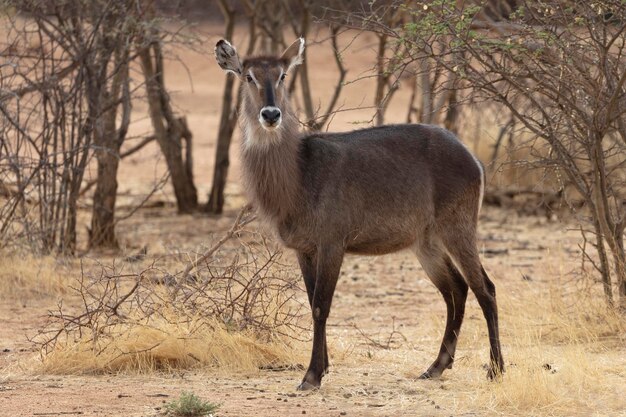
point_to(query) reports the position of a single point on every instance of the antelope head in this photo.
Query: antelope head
(264, 91)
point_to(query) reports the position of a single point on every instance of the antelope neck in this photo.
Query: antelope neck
(270, 167)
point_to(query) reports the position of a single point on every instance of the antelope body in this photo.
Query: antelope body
(371, 191)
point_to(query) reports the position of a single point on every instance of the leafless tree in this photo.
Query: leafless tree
(68, 76)
(66, 98)
(228, 118)
(172, 132)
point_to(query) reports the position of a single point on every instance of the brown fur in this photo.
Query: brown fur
(370, 191)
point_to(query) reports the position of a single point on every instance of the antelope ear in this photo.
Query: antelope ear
(294, 55)
(227, 58)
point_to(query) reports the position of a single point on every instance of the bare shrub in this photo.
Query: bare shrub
(66, 98)
(48, 125)
(66, 81)
(239, 309)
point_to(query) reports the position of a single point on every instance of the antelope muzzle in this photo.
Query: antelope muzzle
(270, 117)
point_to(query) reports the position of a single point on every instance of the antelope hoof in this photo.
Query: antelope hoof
(494, 374)
(495, 371)
(310, 382)
(307, 386)
(435, 370)
(430, 374)
(425, 375)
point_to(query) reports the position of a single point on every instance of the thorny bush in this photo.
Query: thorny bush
(242, 288)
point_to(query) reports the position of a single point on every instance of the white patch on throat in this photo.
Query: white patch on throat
(256, 137)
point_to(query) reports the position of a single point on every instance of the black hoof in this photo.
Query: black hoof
(494, 374)
(426, 375)
(432, 373)
(307, 386)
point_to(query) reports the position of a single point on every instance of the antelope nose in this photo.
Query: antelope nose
(270, 115)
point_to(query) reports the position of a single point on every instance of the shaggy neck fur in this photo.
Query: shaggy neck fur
(270, 165)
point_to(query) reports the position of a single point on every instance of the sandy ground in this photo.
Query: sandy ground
(528, 259)
(525, 257)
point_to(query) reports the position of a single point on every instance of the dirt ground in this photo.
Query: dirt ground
(376, 295)
(554, 366)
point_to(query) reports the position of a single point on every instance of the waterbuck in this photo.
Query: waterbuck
(371, 191)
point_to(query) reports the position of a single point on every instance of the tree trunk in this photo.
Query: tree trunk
(215, 205)
(426, 107)
(168, 129)
(452, 113)
(604, 270)
(611, 230)
(620, 265)
(102, 233)
(68, 239)
(109, 140)
(381, 79)
(222, 162)
(412, 109)
(621, 276)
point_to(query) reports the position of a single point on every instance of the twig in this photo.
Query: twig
(236, 227)
(377, 344)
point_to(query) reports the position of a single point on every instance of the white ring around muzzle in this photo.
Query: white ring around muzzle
(264, 123)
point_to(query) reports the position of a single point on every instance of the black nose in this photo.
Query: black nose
(271, 116)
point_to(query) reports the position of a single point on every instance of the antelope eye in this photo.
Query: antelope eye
(282, 77)
(248, 78)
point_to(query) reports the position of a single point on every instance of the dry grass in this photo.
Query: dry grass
(534, 314)
(554, 365)
(564, 355)
(25, 275)
(165, 345)
(542, 380)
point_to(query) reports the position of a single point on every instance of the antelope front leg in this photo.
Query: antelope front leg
(308, 266)
(329, 259)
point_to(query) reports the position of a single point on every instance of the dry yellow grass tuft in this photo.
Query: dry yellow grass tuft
(25, 275)
(540, 380)
(535, 314)
(164, 345)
